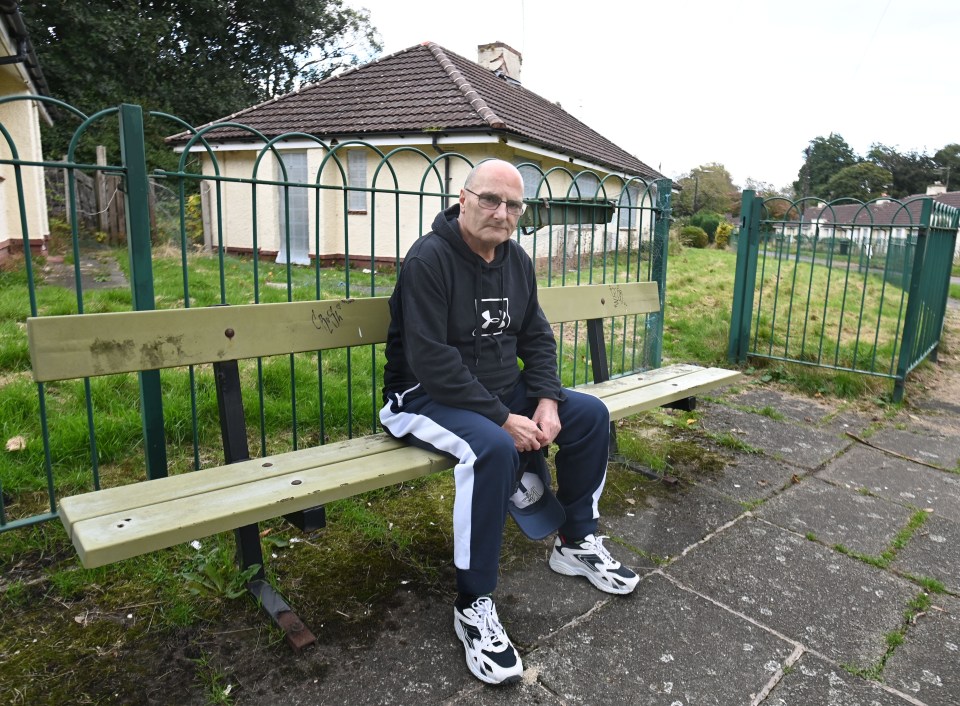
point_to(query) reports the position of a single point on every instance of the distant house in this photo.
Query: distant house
(876, 224)
(20, 74)
(423, 104)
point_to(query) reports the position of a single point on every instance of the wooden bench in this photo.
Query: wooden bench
(116, 523)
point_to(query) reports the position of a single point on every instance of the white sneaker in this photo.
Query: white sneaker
(490, 655)
(589, 558)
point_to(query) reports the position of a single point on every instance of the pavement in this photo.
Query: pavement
(796, 575)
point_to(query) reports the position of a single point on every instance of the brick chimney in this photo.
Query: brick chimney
(500, 58)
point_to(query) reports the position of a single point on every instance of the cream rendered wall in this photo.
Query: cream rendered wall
(236, 202)
(21, 119)
(393, 231)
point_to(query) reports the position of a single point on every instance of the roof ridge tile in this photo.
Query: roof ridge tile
(469, 92)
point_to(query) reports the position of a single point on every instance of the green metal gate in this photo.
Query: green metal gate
(216, 239)
(853, 286)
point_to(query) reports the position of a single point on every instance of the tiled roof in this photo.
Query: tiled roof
(906, 211)
(427, 89)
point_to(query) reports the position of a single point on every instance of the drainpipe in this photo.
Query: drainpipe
(21, 55)
(446, 171)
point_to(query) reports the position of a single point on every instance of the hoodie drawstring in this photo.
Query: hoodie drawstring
(478, 302)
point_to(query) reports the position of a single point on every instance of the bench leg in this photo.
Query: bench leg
(687, 404)
(233, 429)
(250, 553)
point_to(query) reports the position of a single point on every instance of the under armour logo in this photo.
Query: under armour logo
(495, 316)
(489, 319)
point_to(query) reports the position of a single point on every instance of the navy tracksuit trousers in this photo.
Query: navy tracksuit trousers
(487, 464)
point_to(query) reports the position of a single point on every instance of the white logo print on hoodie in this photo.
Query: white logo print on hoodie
(494, 318)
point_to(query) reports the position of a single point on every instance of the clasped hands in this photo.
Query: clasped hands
(537, 432)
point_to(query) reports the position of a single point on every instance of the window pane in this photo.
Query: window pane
(357, 176)
(588, 185)
(531, 179)
(630, 207)
(294, 204)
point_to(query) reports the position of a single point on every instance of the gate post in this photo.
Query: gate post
(748, 247)
(137, 202)
(653, 339)
(911, 319)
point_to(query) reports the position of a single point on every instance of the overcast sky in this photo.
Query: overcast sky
(680, 83)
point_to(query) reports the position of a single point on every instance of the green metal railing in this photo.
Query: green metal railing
(211, 240)
(859, 287)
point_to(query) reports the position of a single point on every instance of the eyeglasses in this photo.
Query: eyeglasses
(491, 202)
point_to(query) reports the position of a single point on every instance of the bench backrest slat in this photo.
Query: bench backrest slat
(88, 345)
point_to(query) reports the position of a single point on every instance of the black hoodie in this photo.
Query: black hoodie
(445, 294)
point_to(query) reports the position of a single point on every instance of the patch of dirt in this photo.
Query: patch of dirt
(98, 270)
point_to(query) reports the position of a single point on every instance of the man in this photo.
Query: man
(463, 314)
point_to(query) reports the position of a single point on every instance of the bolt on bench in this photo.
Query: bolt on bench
(117, 523)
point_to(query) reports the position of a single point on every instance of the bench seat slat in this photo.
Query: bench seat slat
(130, 532)
(624, 402)
(77, 508)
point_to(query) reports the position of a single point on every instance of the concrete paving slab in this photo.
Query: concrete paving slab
(815, 682)
(824, 600)
(933, 552)
(667, 526)
(529, 692)
(926, 664)
(897, 479)
(536, 602)
(837, 515)
(661, 645)
(795, 443)
(748, 478)
(921, 443)
(798, 409)
(416, 659)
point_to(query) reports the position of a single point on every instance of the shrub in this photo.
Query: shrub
(723, 235)
(708, 221)
(694, 237)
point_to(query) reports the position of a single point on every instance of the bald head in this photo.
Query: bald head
(494, 169)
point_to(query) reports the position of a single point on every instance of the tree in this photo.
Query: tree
(824, 157)
(947, 165)
(197, 59)
(862, 181)
(777, 201)
(708, 187)
(912, 172)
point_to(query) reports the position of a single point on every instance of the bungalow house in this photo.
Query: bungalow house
(384, 146)
(874, 226)
(20, 74)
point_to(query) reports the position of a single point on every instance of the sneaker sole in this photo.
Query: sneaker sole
(475, 671)
(562, 567)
